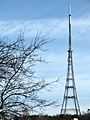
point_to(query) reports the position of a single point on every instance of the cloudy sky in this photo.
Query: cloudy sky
(50, 18)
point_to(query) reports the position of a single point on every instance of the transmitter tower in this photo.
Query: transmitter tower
(70, 103)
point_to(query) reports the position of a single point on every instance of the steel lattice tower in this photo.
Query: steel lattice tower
(70, 103)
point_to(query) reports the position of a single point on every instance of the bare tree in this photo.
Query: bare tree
(18, 90)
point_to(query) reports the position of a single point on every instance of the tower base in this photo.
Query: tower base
(70, 117)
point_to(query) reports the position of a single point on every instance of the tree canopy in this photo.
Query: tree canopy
(18, 89)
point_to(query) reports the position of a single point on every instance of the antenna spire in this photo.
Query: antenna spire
(69, 7)
(69, 24)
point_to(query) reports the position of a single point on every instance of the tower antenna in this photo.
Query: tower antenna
(69, 7)
(69, 4)
(70, 103)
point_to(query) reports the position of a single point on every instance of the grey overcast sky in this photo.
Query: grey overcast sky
(50, 17)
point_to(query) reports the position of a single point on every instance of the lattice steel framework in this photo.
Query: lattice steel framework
(70, 103)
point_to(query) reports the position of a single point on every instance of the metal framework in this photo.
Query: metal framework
(70, 103)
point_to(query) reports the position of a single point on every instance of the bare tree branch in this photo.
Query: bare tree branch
(17, 89)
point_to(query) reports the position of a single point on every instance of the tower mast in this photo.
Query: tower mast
(70, 94)
(69, 26)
